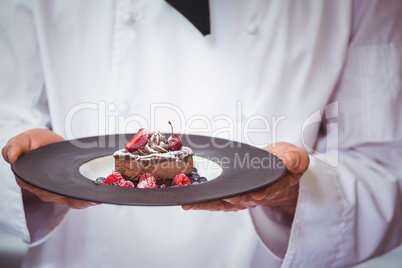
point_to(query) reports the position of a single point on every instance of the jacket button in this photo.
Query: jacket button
(252, 28)
(128, 18)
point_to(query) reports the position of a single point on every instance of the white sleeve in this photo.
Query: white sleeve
(23, 107)
(349, 207)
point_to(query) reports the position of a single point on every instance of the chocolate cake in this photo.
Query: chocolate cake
(151, 153)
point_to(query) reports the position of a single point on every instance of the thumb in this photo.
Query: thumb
(296, 161)
(13, 150)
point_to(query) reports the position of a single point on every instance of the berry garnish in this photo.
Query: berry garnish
(181, 180)
(174, 141)
(139, 139)
(114, 177)
(202, 179)
(100, 179)
(124, 183)
(195, 176)
(147, 181)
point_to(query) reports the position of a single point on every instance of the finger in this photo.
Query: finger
(79, 204)
(272, 191)
(296, 161)
(4, 152)
(295, 158)
(205, 206)
(25, 186)
(28, 141)
(51, 197)
(50, 137)
(259, 195)
(280, 148)
(250, 203)
(13, 150)
(243, 201)
(187, 207)
(219, 205)
(65, 201)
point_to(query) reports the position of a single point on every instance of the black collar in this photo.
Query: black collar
(196, 11)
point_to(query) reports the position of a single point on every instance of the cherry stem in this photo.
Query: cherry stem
(171, 126)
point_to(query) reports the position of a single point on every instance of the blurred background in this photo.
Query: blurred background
(12, 252)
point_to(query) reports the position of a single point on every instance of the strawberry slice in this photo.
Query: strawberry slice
(139, 139)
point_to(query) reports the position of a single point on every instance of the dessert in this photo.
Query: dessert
(151, 161)
(149, 154)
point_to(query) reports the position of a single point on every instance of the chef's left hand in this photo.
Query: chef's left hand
(281, 196)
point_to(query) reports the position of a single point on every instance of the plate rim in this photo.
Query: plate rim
(141, 194)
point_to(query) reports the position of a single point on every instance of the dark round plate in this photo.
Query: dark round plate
(56, 168)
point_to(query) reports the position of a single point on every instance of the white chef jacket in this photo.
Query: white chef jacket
(325, 76)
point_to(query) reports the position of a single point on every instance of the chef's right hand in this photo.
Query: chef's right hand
(28, 141)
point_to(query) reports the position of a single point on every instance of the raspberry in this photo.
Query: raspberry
(114, 177)
(124, 183)
(181, 180)
(147, 181)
